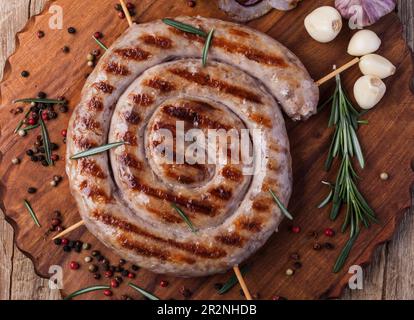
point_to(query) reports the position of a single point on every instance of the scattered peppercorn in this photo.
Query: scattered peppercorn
(93, 268)
(58, 241)
(384, 176)
(86, 246)
(108, 293)
(329, 246)
(65, 49)
(88, 259)
(74, 265)
(278, 298)
(67, 249)
(22, 133)
(108, 274)
(56, 222)
(25, 74)
(297, 265)
(95, 253)
(296, 229)
(131, 275)
(125, 273)
(114, 283)
(134, 267)
(317, 247)
(329, 232)
(63, 108)
(97, 276)
(31, 190)
(15, 161)
(98, 35)
(186, 292)
(40, 34)
(71, 30)
(65, 241)
(295, 256)
(289, 272)
(191, 3)
(164, 283)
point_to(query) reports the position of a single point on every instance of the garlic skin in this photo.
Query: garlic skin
(376, 65)
(362, 13)
(364, 42)
(368, 91)
(324, 24)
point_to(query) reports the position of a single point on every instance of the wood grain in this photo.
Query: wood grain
(15, 270)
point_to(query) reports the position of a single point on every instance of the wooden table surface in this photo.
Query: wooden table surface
(388, 277)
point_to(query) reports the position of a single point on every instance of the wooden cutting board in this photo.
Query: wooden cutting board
(387, 141)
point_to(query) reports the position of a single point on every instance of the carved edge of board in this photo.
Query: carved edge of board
(6, 74)
(335, 291)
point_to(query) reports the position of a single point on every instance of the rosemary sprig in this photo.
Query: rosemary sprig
(46, 142)
(29, 128)
(345, 144)
(281, 206)
(97, 150)
(36, 100)
(86, 290)
(184, 217)
(185, 27)
(232, 281)
(21, 122)
(207, 47)
(32, 213)
(100, 43)
(143, 292)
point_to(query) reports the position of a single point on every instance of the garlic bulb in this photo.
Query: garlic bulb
(324, 24)
(376, 65)
(364, 42)
(362, 13)
(368, 91)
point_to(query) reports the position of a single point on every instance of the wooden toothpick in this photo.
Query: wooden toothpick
(334, 73)
(68, 230)
(242, 282)
(126, 12)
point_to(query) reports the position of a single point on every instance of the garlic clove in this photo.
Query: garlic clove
(376, 65)
(324, 24)
(364, 42)
(368, 91)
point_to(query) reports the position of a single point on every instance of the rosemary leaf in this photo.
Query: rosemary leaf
(207, 47)
(46, 142)
(185, 27)
(20, 124)
(100, 43)
(143, 292)
(340, 262)
(357, 148)
(97, 150)
(36, 100)
(32, 213)
(29, 128)
(232, 281)
(326, 201)
(86, 290)
(281, 206)
(185, 218)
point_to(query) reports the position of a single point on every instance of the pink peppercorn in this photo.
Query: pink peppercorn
(164, 283)
(296, 229)
(329, 232)
(74, 265)
(108, 293)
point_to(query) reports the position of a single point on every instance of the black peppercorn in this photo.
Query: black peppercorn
(40, 34)
(329, 246)
(63, 108)
(134, 267)
(67, 249)
(71, 30)
(97, 276)
(186, 292)
(52, 115)
(191, 3)
(54, 146)
(34, 159)
(71, 244)
(34, 109)
(66, 49)
(105, 267)
(45, 163)
(78, 249)
(122, 262)
(41, 95)
(118, 7)
(30, 152)
(58, 241)
(297, 265)
(218, 286)
(125, 273)
(25, 74)
(119, 279)
(317, 247)
(32, 190)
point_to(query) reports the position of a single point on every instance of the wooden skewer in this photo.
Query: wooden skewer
(242, 282)
(68, 230)
(337, 71)
(126, 12)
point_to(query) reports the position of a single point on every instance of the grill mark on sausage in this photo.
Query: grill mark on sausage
(179, 177)
(191, 116)
(142, 100)
(240, 33)
(221, 193)
(204, 79)
(94, 192)
(249, 224)
(231, 239)
(90, 167)
(103, 86)
(143, 249)
(130, 138)
(136, 54)
(193, 248)
(192, 205)
(117, 69)
(95, 104)
(261, 119)
(132, 117)
(129, 160)
(232, 173)
(84, 143)
(157, 41)
(91, 124)
(260, 205)
(160, 84)
(235, 47)
(164, 215)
